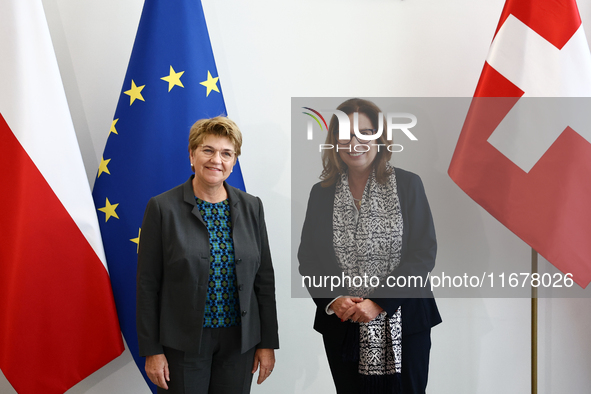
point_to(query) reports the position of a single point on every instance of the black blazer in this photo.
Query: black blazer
(317, 257)
(173, 272)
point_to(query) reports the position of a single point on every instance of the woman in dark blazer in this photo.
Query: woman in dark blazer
(206, 313)
(370, 219)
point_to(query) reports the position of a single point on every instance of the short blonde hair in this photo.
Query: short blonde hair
(220, 126)
(332, 163)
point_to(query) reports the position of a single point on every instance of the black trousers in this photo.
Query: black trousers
(415, 364)
(219, 368)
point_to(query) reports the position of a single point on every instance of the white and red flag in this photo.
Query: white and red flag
(531, 168)
(58, 322)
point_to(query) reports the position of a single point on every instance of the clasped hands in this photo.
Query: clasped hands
(357, 309)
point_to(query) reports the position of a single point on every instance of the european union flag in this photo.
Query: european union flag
(171, 82)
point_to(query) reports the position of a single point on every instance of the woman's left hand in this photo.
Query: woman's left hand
(266, 359)
(363, 312)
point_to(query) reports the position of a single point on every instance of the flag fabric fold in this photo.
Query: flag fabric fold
(534, 180)
(58, 322)
(171, 82)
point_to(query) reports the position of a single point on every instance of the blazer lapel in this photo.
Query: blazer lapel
(234, 203)
(189, 198)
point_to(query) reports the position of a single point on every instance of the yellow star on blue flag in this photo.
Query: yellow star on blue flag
(211, 84)
(173, 79)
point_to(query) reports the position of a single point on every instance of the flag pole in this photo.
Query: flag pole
(534, 325)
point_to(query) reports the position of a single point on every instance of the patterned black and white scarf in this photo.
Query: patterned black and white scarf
(368, 242)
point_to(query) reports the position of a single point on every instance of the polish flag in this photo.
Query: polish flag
(533, 173)
(58, 322)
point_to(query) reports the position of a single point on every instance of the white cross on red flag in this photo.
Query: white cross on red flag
(531, 169)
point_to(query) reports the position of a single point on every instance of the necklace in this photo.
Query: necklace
(357, 202)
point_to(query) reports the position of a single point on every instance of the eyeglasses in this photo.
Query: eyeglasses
(368, 132)
(209, 152)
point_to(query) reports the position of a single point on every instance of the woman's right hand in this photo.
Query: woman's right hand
(157, 370)
(341, 305)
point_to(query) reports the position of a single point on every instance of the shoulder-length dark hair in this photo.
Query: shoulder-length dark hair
(333, 165)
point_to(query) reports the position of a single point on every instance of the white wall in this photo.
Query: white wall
(269, 51)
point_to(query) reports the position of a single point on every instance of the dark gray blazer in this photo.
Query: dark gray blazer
(173, 272)
(419, 246)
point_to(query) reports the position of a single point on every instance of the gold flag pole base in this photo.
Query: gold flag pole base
(534, 326)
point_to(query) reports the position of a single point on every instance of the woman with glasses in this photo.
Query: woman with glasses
(368, 224)
(206, 313)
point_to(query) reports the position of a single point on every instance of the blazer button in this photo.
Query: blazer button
(238, 261)
(240, 287)
(243, 313)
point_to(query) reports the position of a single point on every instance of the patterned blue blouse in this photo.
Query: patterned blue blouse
(222, 308)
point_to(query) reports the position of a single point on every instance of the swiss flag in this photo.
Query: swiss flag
(534, 180)
(58, 322)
